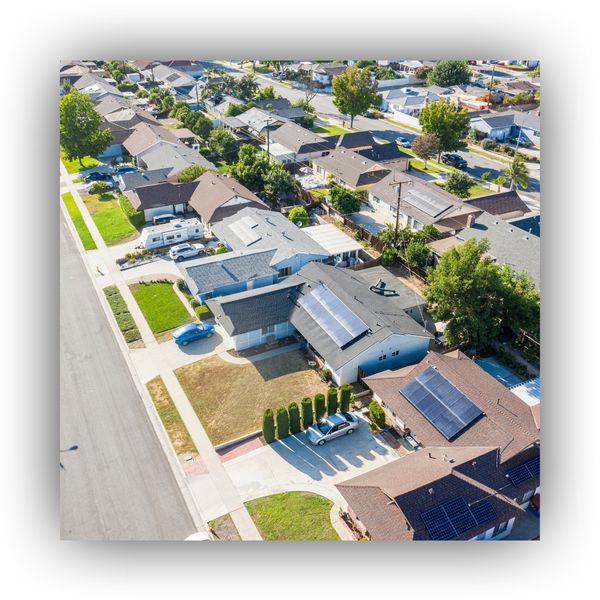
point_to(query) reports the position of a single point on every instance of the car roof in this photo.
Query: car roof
(336, 419)
(185, 329)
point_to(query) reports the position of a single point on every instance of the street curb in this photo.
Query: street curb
(238, 440)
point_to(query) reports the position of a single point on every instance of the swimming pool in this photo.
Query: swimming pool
(498, 371)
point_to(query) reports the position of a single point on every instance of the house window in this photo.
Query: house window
(268, 329)
(418, 226)
(526, 497)
(500, 528)
(409, 221)
(395, 352)
(376, 199)
(383, 357)
(285, 271)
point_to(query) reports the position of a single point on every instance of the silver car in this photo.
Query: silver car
(328, 428)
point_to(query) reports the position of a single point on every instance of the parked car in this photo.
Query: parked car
(185, 250)
(374, 114)
(97, 176)
(124, 168)
(336, 425)
(402, 141)
(454, 160)
(523, 141)
(192, 332)
(162, 218)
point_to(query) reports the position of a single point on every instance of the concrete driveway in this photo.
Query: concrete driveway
(295, 463)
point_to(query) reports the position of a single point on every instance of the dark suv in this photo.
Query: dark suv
(454, 160)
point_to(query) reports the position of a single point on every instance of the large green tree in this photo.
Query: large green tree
(517, 174)
(251, 167)
(278, 182)
(426, 146)
(449, 72)
(222, 144)
(449, 123)
(80, 133)
(344, 200)
(459, 184)
(354, 92)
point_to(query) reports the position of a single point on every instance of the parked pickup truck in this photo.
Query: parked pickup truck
(181, 251)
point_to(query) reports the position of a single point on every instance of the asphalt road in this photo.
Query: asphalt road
(118, 484)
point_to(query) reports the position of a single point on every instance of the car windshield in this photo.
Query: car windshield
(324, 426)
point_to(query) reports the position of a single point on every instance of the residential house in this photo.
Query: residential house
(410, 66)
(111, 104)
(506, 205)
(321, 73)
(174, 157)
(258, 121)
(497, 127)
(292, 143)
(508, 244)
(176, 80)
(407, 101)
(388, 154)
(472, 97)
(146, 136)
(529, 223)
(255, 227)
(421, 203)
(96, 87)
(527, 123)
(349, 168)
(161, 198)
(219, 196)
(131, 181)
(345, 320)
(355, 140)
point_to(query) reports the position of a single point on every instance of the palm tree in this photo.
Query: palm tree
(499, 181)
(517, 173)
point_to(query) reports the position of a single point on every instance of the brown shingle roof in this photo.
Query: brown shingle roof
(145, 135)
(351, 168)
(161, 194)
(500, 204)
(507, 421)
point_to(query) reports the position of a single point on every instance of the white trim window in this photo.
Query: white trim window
(268, 329)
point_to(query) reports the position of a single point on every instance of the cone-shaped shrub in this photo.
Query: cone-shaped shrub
(332, 400)
(268, 426)
(319, 407)
(345, 397)
(294, 413)
(283, 422)
(307, 412)
(376, 413)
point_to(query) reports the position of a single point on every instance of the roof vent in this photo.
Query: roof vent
(430, 490)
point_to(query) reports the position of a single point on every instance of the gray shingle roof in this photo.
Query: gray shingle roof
(208, 273)
(384, 153)
(175, 157)
(497, 121)
(131, 181)
(300, 140)
(351, 168)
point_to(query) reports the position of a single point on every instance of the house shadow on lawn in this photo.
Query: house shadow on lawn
(284, 363)
(335, 457)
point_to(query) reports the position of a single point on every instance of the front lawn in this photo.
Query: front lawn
(170, 417)
(219, 391)
(160, 305)
(479, 190)
(112, 222)
(418, 165)
(73, 166)
(298, 516)
(330, 130)
(82, 229)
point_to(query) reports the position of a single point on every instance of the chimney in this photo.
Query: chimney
(470, 220)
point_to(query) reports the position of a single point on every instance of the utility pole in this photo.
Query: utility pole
(398, 186)
(269, 121)
(491, 86)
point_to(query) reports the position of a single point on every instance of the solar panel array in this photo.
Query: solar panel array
(455, 516)
(243, 228)
(443, 405)
(429, 204)
(531, 468)
(332, 315)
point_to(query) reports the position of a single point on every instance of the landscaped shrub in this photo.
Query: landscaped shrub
(319, 406)
(182, 285)
(376, 414)
(326, 373)
(307, 412)
(332, 400)
(488, 144)
(136, 217)
(294, 413)
(268, 426)
(345, 397)
(283, 422)
(194, 303)
(98, 187)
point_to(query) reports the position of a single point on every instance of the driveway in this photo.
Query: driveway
(372, 220)
(296, 463)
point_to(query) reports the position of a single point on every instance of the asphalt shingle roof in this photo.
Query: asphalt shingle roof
(500, 203)
(131, 181)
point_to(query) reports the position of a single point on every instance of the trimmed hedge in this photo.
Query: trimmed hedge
(319, 406)
(136, 217)
(376, 413)
(283, 422)
(203, 312)
(345, 397)
(307, 412)
(332, 400)
(294, 414)
(268, 426)
(121, 313)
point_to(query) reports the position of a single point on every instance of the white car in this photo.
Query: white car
(402, 141)
(181, 251)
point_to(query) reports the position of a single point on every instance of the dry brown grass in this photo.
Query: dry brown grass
(225, 529)
(170, 417)
(230, 399)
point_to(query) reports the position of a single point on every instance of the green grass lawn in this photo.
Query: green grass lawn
(320, 192)
(122, 315)
(419, 165)
(136, 217)
(160, 305)
(82, 229)
(73, 166)
(293, 516)
(479, 190)
(330, 130)
(170, 417)
(110, 218)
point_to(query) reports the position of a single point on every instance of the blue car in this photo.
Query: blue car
(191, 332)
(122, 169)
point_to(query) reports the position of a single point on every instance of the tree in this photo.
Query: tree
(282, 419)
(167, 103)
(389, 236)
(459, 184)
(319, 406)
(266, 93)
(268, 426)
(376, 414)
(536, 71)
(354, 92)
(294, 413)
(298, 214)
(190, 173)
(332, 400)
(345, 397)
(521, 306)
(486, 176)
(499, 181)
(222, 144)
(426, 146)
(389, 256)
(385, 72)
(251, 167)
(465, 290)
(517, 174)
(278, 182)
(448, 122)
(198, 124)
(416, 253)
(422, 72)
(247, 87)
(307, 412)
(344, 200)
(303, 103)
(449, 72)
(80, 133)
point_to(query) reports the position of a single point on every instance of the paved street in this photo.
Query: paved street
(118, 485)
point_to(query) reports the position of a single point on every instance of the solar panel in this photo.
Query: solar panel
(442, 404)
(249, 222)
(454, 517)
(429, 204)
(332, 315)
(527, 470)
(244, 232)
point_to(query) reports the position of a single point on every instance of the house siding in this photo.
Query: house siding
(150, 213)
(238, 286)
(257, 337)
